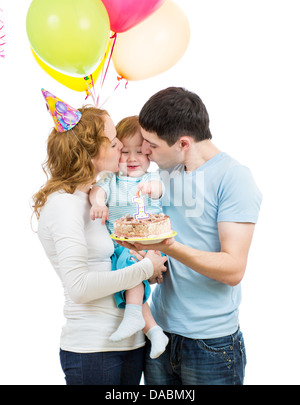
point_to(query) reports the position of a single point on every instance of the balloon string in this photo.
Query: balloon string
(120, 78)
(109, 59)
(2, 37)
(102, 74)
(86, 78)
(91, 89)
(90, 82)
(89, 79)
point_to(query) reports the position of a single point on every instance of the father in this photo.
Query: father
(213, 203)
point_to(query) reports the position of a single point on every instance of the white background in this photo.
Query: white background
(243, 62)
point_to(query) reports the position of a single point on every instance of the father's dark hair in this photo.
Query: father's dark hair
(174, 112)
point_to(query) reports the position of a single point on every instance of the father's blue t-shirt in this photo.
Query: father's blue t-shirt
(188, 303)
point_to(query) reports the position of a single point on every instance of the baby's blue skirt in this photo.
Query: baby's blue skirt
(120, 259)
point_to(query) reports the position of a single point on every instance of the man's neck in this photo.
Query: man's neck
(198, 154)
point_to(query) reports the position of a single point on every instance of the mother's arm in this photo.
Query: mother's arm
(67, 231)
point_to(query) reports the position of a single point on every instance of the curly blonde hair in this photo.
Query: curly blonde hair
(69, 156)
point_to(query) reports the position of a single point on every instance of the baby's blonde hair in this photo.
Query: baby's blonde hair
(128, 127)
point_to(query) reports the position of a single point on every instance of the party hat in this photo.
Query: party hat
(64, 116)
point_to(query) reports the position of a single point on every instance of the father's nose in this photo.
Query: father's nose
(145, 148)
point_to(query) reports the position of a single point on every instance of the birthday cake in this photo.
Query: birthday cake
(155, 225)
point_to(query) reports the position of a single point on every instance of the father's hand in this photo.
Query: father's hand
(163, 246)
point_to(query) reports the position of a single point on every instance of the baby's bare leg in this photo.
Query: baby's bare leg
(154, 333)
(133, 320)
(135, 295)
(149, 320)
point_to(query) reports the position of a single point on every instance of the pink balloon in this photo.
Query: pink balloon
(125, 14)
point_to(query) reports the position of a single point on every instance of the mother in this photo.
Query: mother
(79, 249)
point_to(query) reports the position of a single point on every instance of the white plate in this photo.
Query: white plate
(144, 241)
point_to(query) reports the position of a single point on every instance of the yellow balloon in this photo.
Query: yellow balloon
(73, 83)
(154, 45)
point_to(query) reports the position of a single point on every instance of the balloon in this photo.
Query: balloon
(74, 83)
(154, 45)
(125, 14)
(70, 36)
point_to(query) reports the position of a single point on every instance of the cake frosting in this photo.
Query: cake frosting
(155, 226)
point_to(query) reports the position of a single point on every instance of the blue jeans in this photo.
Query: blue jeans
(103, 368)
(219, 361)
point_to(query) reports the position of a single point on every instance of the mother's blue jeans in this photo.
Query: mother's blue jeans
(219, 361)
(103, 368)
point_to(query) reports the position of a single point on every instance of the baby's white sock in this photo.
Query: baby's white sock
(133, 321)
(158, 340)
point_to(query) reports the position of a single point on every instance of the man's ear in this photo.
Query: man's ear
(184, 142)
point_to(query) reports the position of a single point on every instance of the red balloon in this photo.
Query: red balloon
(125, 14)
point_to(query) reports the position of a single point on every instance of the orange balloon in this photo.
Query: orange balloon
(73, 83)
(154, 45)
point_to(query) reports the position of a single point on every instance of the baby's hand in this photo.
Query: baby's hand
(99, 211)
(153, 188)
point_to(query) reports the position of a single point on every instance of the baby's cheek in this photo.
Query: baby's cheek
(123, 159)
(145, 162)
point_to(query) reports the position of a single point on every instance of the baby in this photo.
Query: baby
(111, 198)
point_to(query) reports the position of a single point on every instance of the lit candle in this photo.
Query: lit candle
(141, 214)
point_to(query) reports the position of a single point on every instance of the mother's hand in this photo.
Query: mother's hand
(158, 262)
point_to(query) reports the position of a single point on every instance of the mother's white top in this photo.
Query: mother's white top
(79, 249)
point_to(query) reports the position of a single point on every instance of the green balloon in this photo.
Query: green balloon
(70, 36)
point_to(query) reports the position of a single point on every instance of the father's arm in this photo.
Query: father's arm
(227, 266)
